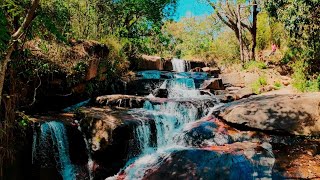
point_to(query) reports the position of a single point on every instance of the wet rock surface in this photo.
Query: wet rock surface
(120, 100)
(211, 131)
(170, 136)
(238, 161)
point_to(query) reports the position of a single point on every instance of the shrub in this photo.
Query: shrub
(117, 61)
(262, 81)
(300, 81)
(277, 85)
(299, 77)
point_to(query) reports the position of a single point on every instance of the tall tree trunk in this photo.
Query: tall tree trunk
(3, 68)
(254, 29)
(14, 38)
(240, 35)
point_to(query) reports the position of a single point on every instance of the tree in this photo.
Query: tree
(232, 15)
(192, 36)
(301, 20)
(12, 42)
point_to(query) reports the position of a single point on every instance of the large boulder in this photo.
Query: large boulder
(145, 62)
(111, 138)
(211, 131)
(292, 114)
(213, 84)
(233, 79)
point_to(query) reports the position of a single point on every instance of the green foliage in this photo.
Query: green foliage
(251, 65)
(190, 37)
(80, 67)
(117, 61)
(23, 120)
(256, 86)
(277, 85)
(302, 22)
(263, 31)
(300, 79)
(4, 34)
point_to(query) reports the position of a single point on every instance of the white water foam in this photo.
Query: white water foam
(180, 65)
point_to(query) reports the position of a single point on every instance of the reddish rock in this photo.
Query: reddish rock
(213, 84)
(167, 65)
(285, 83)
(211, 70)
(146, 62)
(92, 71)
(81, 88)
(244, 93)
(233, 79)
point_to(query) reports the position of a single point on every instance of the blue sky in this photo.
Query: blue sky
(192, 8)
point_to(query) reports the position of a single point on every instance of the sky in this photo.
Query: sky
(187, 8)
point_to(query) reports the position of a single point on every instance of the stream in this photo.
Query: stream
(174, 138)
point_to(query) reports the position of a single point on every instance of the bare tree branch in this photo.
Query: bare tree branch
(27, 20)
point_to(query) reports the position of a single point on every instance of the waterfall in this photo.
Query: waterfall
(180, 65)
(55, 133)
(169, 117)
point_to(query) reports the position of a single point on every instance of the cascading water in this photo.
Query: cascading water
(180, 65)
(55, 133)
(168, 117)
(184, 105)
(181, 88)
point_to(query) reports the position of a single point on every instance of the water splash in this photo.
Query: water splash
(55, 131)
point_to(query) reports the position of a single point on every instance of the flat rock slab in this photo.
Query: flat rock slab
(237, 161)
(297, 114)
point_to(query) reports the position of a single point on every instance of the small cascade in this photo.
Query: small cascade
(53, 140)
(182, 88)
(90, 160)
(180, 65)
(169, 118)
